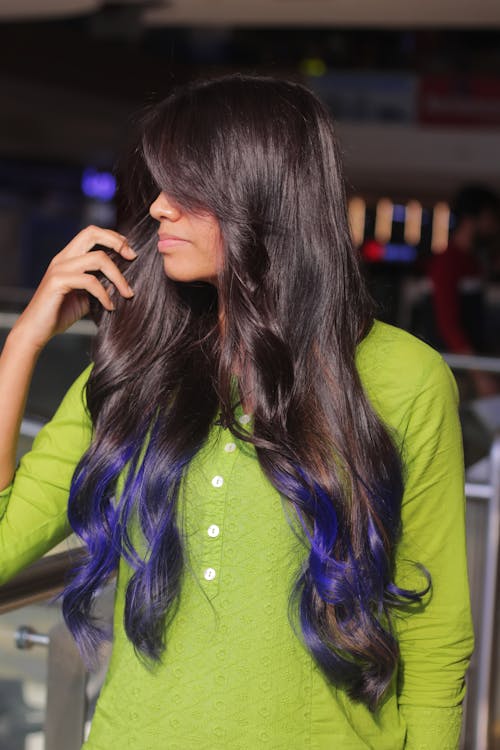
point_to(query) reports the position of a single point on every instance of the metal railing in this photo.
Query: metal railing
(484, 490)
(71, 690)
(84, 327)
(37, 582)
(478, 707)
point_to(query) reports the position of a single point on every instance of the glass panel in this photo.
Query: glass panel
(23, 675)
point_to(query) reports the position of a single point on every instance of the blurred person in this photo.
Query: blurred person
(275, 475)
(457, 277)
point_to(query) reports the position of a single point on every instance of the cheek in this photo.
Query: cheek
(217, 251)
(217, 246)
(210, 245)
(204, 251)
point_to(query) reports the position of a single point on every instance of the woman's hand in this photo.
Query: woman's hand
(61, 297)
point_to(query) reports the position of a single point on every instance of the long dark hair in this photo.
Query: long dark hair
(261, 155)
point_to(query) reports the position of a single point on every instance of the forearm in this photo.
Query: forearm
(432, 728)
(436, 638)
(17, 363)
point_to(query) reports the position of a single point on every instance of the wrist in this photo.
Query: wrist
(21, 341)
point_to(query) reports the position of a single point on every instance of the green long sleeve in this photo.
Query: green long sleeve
(33, 507)
(436, 643)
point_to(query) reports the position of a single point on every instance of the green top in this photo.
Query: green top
(235, 675)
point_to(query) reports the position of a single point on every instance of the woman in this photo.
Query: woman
(275, 474)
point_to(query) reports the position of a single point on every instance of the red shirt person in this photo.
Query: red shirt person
(455, 273)
(456, 276)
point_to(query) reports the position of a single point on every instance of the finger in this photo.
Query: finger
(99, 261)
(90, 284)
(94, 235)
(125, 248)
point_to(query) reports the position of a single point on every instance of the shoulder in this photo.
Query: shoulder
(75, 398)
(85, 374)
(78, 385)
(397, 369)
(399, 352)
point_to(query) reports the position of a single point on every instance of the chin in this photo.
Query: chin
(184, 275)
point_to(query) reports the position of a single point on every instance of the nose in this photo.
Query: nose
(162, 208)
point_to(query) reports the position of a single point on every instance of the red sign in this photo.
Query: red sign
(459, 100)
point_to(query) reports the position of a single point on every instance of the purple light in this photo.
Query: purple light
(100, 185)
(394, 253)
(398, 213)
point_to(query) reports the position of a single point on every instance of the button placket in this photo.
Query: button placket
(222, 462)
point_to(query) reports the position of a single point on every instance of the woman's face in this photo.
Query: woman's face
(190, 244)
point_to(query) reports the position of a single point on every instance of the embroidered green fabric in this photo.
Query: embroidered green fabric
(235, 677)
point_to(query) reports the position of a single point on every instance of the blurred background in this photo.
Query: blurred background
(414, 89)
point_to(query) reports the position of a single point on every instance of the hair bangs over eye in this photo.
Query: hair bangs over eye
(180, 154)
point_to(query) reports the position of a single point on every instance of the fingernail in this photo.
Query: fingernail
(130, 290)
(132, 251)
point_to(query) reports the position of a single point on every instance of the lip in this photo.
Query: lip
(169, 240)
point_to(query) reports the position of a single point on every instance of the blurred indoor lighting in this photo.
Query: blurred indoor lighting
(383, 220)
(413, 222)
(313, 66)
(100, 185)
(440, 227)
(357, 217)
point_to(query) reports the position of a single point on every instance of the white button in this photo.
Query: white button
(230, 447)
(217, 481)
(209, 574)
(213, 530)
(244, 419)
